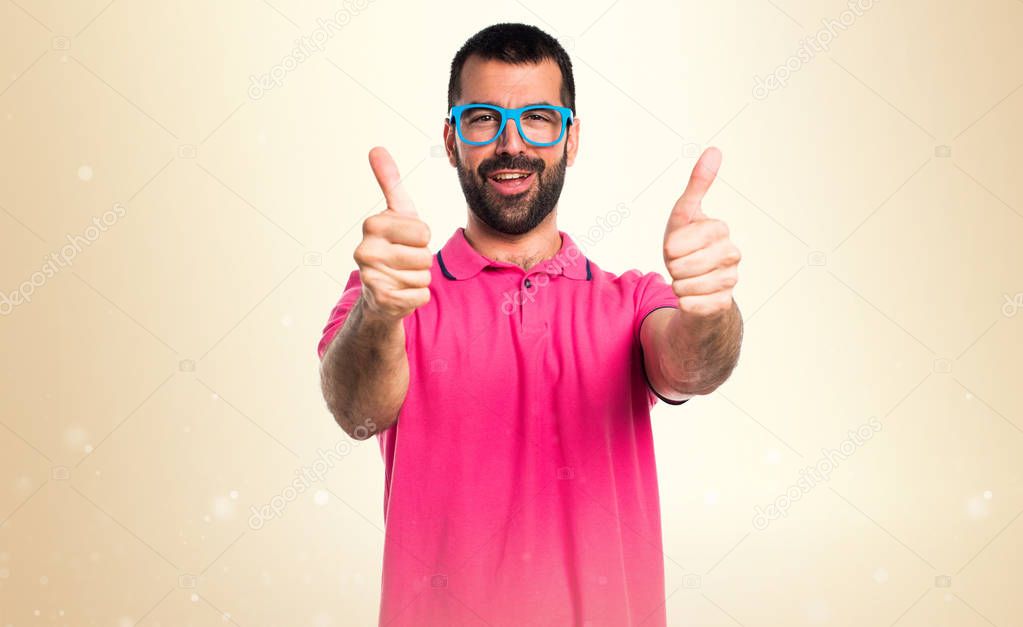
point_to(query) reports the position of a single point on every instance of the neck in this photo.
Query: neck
(525, 251)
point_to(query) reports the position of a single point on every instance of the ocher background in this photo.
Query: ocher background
(166, 382)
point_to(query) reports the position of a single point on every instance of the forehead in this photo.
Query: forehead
(490, 80)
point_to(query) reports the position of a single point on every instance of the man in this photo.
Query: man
(509, 379)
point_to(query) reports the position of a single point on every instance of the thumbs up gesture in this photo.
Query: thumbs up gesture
(701, 260)
(393, 258)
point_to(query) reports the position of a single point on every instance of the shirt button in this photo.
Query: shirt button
(528, 284)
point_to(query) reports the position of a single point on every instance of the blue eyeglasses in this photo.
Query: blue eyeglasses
(481, 124)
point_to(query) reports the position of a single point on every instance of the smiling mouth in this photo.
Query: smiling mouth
(509, 183)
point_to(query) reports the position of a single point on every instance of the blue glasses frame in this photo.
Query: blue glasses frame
(455, 117)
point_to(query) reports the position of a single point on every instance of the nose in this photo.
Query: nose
(509, 140)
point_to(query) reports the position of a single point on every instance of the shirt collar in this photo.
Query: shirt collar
(458, 260)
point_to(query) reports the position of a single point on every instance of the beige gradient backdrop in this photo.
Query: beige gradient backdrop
(163, 382)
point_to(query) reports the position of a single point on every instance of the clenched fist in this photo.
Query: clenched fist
(702, 261)
(393, 258)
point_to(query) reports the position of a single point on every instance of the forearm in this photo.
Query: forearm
(699, 354)
(364, 373)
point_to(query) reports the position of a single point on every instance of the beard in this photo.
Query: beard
(519, 213)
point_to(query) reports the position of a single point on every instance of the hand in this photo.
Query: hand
(393, 258)
(702, 262)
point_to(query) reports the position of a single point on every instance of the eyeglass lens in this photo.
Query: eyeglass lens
(480, 124)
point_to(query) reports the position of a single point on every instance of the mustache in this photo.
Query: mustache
(519, 162)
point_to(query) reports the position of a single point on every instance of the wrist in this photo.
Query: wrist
(375, 318)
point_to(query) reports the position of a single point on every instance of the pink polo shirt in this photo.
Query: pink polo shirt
(520, 486)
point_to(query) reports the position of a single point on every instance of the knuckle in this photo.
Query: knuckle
(422, 233)
(371, 282)
(365, 256)
(372, 225)
(421, 278)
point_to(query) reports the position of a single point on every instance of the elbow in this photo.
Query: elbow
(699, 381)
(355, 426)
(695, 389)
(335, 405)
(359, 418)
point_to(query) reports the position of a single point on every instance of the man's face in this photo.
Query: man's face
(518, 211)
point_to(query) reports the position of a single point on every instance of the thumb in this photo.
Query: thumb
(689, 205)
(386, 173)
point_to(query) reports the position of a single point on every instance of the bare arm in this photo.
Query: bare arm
(364, 372)
(688, 357)
(693, 349)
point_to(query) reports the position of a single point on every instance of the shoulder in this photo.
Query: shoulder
(631, 280)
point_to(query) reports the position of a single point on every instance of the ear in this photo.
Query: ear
(449, 144)
(572, 143)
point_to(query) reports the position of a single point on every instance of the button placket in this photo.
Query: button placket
(528, 295)
(532, 287)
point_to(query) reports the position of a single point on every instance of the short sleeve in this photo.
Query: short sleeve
(340, 312)
(652, 293)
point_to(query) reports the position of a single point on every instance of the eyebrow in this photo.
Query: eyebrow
(494, 104)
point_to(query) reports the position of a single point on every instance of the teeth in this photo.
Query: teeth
(508, 176)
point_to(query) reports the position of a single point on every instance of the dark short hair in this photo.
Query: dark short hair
(513, 43)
